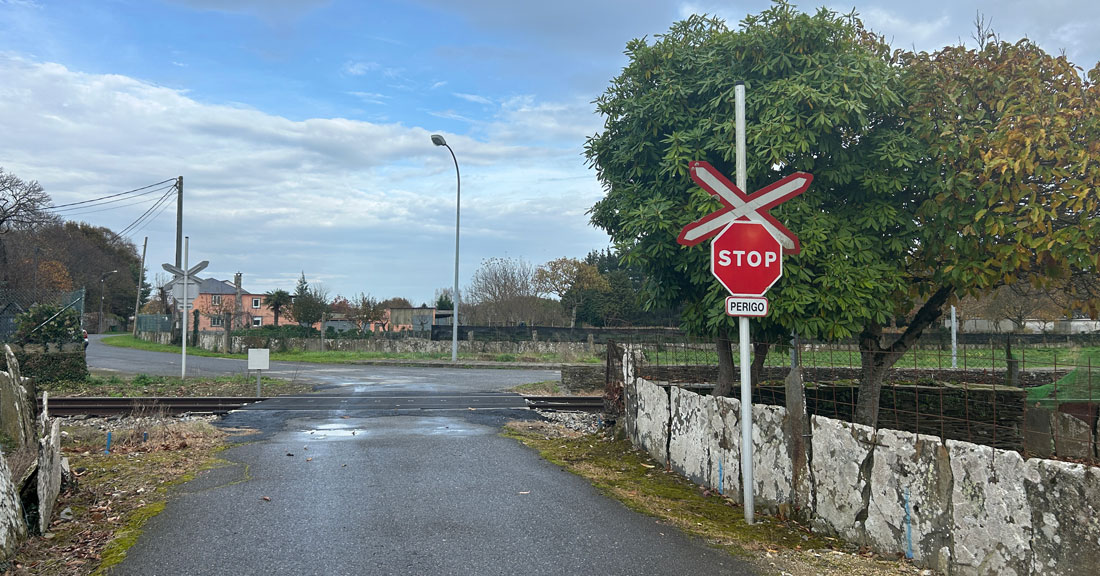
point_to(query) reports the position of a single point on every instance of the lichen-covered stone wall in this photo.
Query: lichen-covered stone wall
(954, 506)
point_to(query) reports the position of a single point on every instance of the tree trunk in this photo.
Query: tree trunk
(725, 362)
(759, 355)
(797, 429)
(876, 359)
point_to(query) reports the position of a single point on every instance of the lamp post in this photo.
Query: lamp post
(439, 141)
(101, 292)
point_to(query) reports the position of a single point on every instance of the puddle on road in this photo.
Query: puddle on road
(359, 428)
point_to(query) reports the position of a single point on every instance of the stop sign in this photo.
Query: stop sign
(746, 258)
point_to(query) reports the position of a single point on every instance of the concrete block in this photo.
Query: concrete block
(1066, 526)
(1038, 439)
(991, 515)
(49, 474)
(771, 463)
(1072, 436)
(13, 529)
(840, 450)
(651, 406)
(700, 444)
(916, 469)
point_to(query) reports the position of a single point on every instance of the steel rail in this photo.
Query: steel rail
(174, 405)
(112, 406)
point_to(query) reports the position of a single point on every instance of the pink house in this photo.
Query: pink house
(218, 299)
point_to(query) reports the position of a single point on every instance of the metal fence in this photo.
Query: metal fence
(14, 302)
(1040, 400)
(154, 323)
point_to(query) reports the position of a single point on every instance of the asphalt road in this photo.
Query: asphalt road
(343, 489)
(359, 378)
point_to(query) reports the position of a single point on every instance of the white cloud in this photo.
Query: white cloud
(353, 68)
(368, 207)
(474, 98)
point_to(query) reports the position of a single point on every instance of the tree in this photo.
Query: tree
(48, 324)
(822, 97)
(278, 301)
(366, 310)
(503, 291)
(935, 175)
(444, 299)
(309, 303)
(22, 207)
(569, 276)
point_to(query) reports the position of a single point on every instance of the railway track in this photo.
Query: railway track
(107, 406)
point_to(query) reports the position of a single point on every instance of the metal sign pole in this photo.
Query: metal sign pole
(743, 323)
(183, 362)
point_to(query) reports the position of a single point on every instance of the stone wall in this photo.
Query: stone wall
(954, 506)
(214, 341)
(37, 447)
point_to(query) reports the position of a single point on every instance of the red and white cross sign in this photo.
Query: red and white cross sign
(736, 205)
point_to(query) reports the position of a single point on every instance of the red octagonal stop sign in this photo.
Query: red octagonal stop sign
(746, 258)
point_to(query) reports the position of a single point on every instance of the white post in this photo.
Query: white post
(743, 322)
(954, 340)
(183, 356)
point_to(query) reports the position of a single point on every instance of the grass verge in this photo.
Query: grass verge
(349, 357)
(96, 521)
(775, 545)
(145, 385)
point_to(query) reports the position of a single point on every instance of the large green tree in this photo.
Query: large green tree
(905, 157)
(822, 98)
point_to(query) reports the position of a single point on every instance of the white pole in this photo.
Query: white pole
(743, 323)
(454, 304)
(954, 340)
(183, 356)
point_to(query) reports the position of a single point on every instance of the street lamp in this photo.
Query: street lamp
(101, 290)
(439, 141)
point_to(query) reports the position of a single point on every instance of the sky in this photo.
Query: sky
(302, 129)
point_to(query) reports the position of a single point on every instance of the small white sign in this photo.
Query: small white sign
(258, 358)
(746, 306)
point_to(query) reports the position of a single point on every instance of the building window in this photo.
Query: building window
(216, 299)
(215, 321)
(257, 320)
(256, 304)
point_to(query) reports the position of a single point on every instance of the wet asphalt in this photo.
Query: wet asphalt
(345, 489)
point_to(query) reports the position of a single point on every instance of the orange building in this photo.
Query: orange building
(219, 300)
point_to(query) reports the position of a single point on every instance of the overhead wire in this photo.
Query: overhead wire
(145, 214)
(173, 180)
(93, 208)
(164, 206)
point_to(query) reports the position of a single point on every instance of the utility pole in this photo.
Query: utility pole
(179, 221)
(141, 280)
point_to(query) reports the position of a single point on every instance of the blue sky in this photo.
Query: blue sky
(301, 128)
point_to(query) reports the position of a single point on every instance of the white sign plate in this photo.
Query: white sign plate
(258, 358)
(746, 306)
(192, 290)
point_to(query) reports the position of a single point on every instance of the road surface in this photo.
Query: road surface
(343, 489)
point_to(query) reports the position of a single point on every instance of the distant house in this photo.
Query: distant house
(218, 299)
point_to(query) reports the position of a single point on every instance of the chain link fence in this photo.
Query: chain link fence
(14, 302)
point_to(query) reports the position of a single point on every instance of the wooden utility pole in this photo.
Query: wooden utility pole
(141, 280)
(179, 221)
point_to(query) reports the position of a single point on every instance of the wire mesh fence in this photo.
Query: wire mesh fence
(14, 302)
(1039, 399)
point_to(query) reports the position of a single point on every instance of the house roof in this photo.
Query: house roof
(215, 286)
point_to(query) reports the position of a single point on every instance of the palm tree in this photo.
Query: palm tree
(277, 300)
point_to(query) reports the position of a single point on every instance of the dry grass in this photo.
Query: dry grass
(115, 493)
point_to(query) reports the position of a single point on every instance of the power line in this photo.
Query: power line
(139, 219)
(112, 195)
(92, 208)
